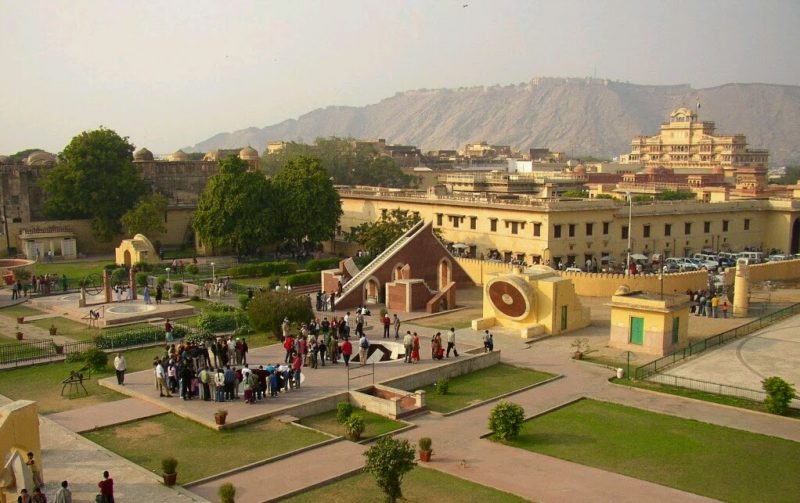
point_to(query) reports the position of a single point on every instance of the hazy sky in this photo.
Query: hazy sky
(170, 74)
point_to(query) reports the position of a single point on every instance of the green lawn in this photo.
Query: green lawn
(68, 328)
(201, 451)
(374, 424)
(43, 382)
(75, 271)
(482, 385)
(419, 485)
(710, 460)
(733, 401)
(19, 350)
(19, 310)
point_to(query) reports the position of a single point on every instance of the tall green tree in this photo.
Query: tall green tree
(147, 217)
(388, 461)
(95, 178)
(377, 236)
(235, 209)
(308, 206)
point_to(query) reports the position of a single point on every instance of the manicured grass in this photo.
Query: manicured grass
(75, 271)
(419, 485)
(68, 328)
(263, 282)
(201, 451)
(43, 382)
(710, 460)
(374, 424)
(733, 401)
(19, 310)
(18, 350)
(482, 385)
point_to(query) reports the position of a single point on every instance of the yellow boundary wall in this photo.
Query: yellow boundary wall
(589, 284)
(786, 269)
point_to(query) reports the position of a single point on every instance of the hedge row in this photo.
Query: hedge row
(262, 269)
(221, 321)
(302, 278)
(136, 336)
(323, 264)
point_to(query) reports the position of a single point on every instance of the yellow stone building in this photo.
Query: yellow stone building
(686, 143)
(648, 323)
(551, 231)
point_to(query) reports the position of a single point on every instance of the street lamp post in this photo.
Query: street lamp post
(213, 276)
(167, 269)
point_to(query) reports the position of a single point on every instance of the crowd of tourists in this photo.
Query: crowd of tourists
(43, 284)
(707, 303)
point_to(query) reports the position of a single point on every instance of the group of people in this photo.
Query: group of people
(326, 301)
(43, 284)
(219, 287)
(63, 494)
(707, 303)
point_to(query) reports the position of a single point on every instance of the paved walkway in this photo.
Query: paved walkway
(106, 414)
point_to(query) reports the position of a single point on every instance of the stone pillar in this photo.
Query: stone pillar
(741, 289)
(132, 282)
(107, 286)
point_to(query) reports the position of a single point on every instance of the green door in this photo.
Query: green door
(675, 329)
(637, 330)
(563, 318)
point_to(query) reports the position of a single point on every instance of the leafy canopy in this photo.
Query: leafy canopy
(96, 179)
(147, 217)
(377, 236)
(388, 461)
(234, 210)
(309, 206)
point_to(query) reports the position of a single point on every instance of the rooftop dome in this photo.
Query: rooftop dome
(142, 155)
(180, 155)
(248, 154)
(40, 158)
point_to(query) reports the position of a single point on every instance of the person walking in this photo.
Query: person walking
(106, 488)
(387, 322)
(168, 331)
(159, 293)
(451, 343)
(488, 342)
(363, 348)
(396, 326)
(38, 496)
(347, 350)
(36, 474)
(161, 379)
(120, 366)
(415, 348)
(63, 495)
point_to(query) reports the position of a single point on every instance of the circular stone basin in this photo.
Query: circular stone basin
(11, 263)
(70, 297)
(131, 308)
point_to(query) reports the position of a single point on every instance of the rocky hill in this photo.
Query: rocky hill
(578, 116)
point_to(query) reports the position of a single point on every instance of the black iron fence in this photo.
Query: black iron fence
(658, 365)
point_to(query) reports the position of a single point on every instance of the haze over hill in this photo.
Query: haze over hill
(578, 116)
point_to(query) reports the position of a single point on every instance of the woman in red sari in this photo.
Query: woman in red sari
(415, 349)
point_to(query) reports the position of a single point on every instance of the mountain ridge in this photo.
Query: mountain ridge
(579, 116)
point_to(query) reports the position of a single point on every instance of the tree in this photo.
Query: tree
(675, 195)
(388, 461)
(309, 207)
(147, 217)
(234, 210)
(96, 179)
(377, 236)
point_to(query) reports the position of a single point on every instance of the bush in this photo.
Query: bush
(322, 264)
(177, 289)
(141, 279)
(95, 359)
(262, 269)
(221, 321)
(162, 280)
(22, 274)
(169, 464)
(268, 309)
(506, 420)
(110, 267)
(442, 386)
(143, 266)
(343, 411)
(195, 298)
(425, 444)
(119, 276)
(354, 427)
(192, 269)
(244, 300)
(227, 493)
(779, 394)
(388, 461)
(302, 278)
(218, 307)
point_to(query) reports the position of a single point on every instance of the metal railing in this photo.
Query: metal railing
(654, 367)
(708, 387)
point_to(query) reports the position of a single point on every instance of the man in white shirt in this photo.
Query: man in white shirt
(408, 343)
(451, 343)
(120, 366)
(161, 378)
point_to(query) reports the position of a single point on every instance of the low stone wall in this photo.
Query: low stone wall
(588, 284)
(480, 271)
(461, 365)
(386, 401)
(775, 271)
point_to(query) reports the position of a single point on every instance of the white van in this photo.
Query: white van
(752, 257)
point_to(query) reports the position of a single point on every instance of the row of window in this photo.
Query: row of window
(558, 229)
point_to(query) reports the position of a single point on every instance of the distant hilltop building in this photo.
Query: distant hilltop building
(685, 143)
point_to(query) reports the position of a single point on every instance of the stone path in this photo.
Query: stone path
(106, 414)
